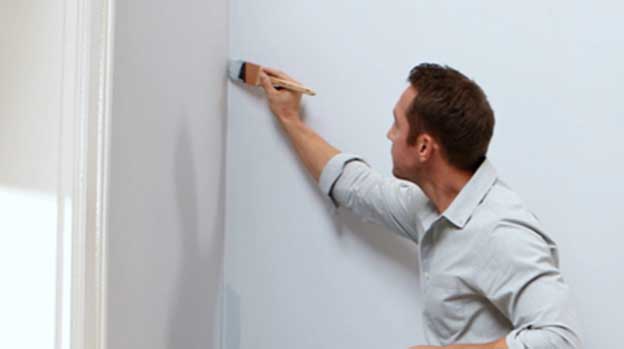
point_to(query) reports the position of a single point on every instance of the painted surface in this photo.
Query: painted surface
(300, 277)
(166, 196)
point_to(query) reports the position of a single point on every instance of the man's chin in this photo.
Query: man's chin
(397, 173)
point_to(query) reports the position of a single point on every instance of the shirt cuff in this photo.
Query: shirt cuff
(512, 341)
(332, 171)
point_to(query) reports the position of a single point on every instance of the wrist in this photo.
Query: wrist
(294, 127)
(290, 119)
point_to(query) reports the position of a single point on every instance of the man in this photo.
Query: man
(491, 274)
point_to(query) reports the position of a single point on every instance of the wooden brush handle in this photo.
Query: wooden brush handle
(293, 86)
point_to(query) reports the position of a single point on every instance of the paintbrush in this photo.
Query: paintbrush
(249, 73)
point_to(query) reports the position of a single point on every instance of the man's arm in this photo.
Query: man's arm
(349, 183)
(497, 344)
(520, 276)
(313, 150)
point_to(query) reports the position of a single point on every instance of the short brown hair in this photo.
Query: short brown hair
(455, 110)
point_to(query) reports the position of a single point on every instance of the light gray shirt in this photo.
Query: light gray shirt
(488, 268)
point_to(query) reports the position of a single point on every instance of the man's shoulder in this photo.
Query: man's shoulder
(502, 203)
(504, 216)
(503, 209)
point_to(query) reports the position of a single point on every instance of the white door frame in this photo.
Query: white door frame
(83, 172)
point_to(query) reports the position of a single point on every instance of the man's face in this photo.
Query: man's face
(404, 159)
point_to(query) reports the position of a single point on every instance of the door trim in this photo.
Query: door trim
(81, 298)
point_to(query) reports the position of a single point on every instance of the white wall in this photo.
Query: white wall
(166, 197)
(31, 48)
(297, 277)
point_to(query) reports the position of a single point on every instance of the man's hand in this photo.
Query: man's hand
(313, 150)
(285, 104)
(500, 343)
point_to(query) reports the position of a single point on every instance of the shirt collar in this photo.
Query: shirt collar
(469, 197)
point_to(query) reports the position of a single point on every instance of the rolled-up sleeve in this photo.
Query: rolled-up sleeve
(521, 277)
(351, 183)
(332, 170)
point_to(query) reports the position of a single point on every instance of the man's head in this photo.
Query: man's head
(441, 119)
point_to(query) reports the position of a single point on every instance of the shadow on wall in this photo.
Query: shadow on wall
(402, 252)
(194, 307)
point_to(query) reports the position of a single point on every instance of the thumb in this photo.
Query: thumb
(266, 83)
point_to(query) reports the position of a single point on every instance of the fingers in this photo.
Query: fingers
(266, 83)
(279, 74)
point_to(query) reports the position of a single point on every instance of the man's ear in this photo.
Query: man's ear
(425, 145)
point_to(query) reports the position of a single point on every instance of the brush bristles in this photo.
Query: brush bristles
(247, 72)
(251, 73)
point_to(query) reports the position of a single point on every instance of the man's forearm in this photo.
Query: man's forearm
(497, 344)
(313, 150)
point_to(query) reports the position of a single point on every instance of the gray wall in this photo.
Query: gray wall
(296, 276)
(166, 197)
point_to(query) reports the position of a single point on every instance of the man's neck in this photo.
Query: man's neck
(443, 186)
